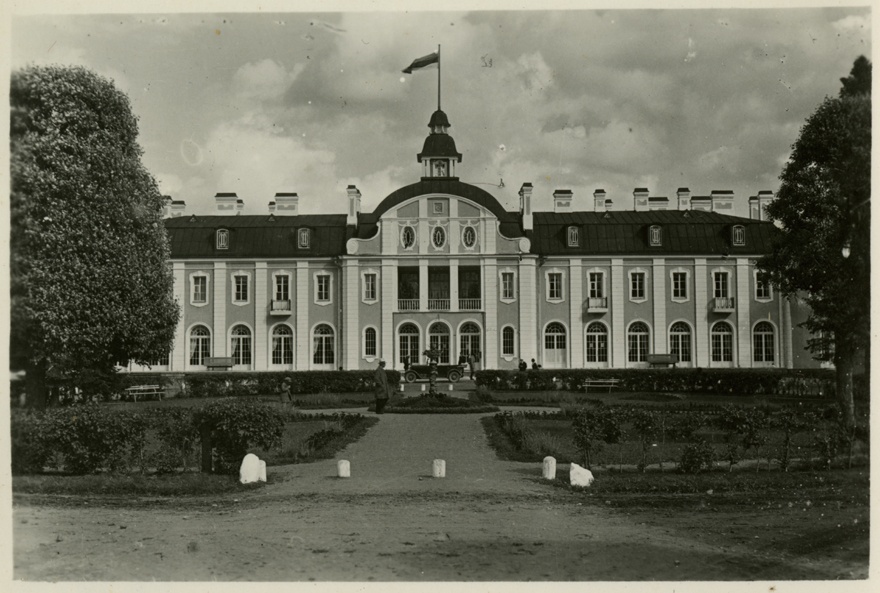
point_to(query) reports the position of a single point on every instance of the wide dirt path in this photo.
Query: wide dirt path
(488, 520)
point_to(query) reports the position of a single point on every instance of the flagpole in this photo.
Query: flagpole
(438, 77)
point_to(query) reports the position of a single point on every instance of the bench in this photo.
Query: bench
(218, 362)
(144, 392)
(662, 359)
(609, 383)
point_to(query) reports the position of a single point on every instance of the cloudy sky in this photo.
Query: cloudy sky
(311, 102)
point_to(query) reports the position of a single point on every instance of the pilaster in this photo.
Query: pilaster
(303, 333)
(618, 332)
(659, 304)
(701, 313)
(219, 330)
(453, 285)
(576, 316)
(178, 350)
(388, 296)
(350, 308)
(261, 330)
(490, 306)
(423, 285)
(528, 340)
(743, 314)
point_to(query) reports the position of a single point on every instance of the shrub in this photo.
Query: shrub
(587, 434)
(233, 425)
(30, 447)
(237, 384)
(696, 458)
(176, 437)
(645, 423)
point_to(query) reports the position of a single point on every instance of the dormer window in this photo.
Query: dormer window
(304, 238)
(222, 239)
(573, 237)
(655, 235)
(739, 235)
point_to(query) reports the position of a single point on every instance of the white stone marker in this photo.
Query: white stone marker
(423, 388)
(549, 468)
(262, 470)
(250, 470)
(439, 469)
(580, 476)
(343, 468)
(450, 388)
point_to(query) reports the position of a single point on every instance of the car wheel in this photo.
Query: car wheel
(453, 376)
(410, 376)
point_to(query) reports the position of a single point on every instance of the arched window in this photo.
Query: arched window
(722, 342)
(680, 341)
(370, 342)
(555, 346)
(597, 342)
(469, 339)
(199, 345)
(508, 342)
(637, 342)
(282, 345)
(409, 343)
(241, 345)
(438, 339)
(324, 345)
(765, 347)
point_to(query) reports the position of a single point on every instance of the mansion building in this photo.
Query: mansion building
(442, 264)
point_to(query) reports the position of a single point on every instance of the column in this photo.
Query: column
(219, 329)
(528, 310)
(423, 285)
(350, 308)
(659, 303)
(743, 313)
(576, 316)
(261, 303)
(388, 297)
(303, 333)
(453, 285)
(178, 348)
(489, 294)
(618, 331)
(701, 314)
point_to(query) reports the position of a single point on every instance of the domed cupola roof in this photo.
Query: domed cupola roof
(439, 143)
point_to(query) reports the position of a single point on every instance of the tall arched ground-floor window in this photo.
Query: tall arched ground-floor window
(199, 345)
(764, 344)
(240, 343)
(722, 345)
(597, 345)
(469, 340)
(282, 346)
(408, 340)
(555, 346)
(323, 348)
(438, 339)
(680, 342)
(637, 338)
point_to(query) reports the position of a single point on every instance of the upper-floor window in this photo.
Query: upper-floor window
(370, 292)
(438, 237)
(199, 289)
(655, 234)
(554, 286)
(721, 281)
(240, 288)
(763, 290)
(304, 238)
(282, 287)
(597, 285)
(679, 285)
(738, 235)
(323, 292)
(573, 236)
(637, 286)
(407, 237)
(223, 239)
(508, 286)
(469, 237)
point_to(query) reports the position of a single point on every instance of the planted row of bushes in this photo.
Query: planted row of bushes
(756, 433)
(801, 383)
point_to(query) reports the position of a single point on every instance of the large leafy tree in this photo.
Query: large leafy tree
(90, 279)
(823, 253)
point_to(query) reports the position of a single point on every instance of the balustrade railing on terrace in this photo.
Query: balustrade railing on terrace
(438, 304)
(723, 304)
(408, 304)
(470, 304)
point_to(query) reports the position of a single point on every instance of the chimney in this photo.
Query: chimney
(684, 198)
(176, 208)
(287, 203)
(640, 199)
(239, 206)
(703, 203)
(225, 201)
(658, 203)
(354, 206)
(166, 206)
(754, 213)
(562, 200)
(272, 206)
(525, 206)
(764, 198)
(599, 200)
(722, 201)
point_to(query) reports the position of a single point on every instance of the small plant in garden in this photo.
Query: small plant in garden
(645, 423)
(230, 426)
(789, 422)
(587, 434)
(696, 458)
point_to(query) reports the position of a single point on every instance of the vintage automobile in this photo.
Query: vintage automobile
(416, 372)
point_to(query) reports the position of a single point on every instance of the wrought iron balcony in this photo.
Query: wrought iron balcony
(279, 307)
(723, 304)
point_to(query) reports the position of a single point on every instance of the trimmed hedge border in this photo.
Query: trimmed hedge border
(800, 383)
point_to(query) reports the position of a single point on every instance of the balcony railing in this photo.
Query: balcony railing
(408, 304)
(438, 304)
(470, 304)
(597, 304)
(723, 304)
(279, 307)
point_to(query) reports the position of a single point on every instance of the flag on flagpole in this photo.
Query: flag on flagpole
(424, 62)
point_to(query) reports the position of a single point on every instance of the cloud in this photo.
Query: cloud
(265, 80)
(853, 23)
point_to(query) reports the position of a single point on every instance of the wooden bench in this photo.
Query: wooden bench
(609, 383)
(144, 392)
(662, 359)
(223, 363)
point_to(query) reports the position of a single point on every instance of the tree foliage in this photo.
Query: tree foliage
(90, 281)
(823, 208)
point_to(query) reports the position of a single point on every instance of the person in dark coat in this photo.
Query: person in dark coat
(286, 398)
(471, 360)
(522, 365)
(535, 365)
(383, 389)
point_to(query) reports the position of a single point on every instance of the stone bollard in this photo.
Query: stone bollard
(401, 388)
(423, 388)
(439, 469)
(343, 468)
(450, 388)
(549, 468)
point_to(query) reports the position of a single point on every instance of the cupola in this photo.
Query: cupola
(439, 155)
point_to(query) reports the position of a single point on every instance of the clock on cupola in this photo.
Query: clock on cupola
(438, 156)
